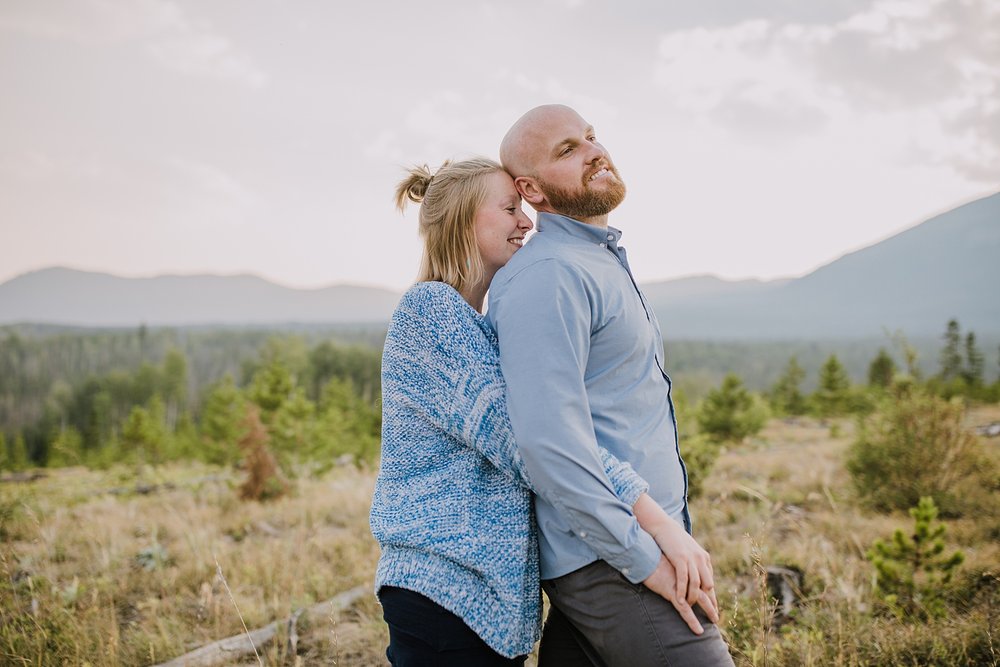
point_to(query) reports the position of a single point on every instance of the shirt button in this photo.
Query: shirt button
(583, 533)
(611, 237)
(625, 571)
(604, 245)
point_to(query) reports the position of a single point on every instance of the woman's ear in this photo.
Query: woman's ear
(528, 190)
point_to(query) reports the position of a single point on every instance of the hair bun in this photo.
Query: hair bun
(414, 186)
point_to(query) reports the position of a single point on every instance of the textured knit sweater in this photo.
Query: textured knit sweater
(452, 508)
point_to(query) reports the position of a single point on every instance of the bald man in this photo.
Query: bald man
(582, 354)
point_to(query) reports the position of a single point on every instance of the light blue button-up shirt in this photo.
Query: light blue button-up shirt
(582, 354)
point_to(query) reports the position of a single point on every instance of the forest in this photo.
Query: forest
(166, 489)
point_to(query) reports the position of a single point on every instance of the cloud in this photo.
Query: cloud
(923, 73)
(223, 198)
(168, 35)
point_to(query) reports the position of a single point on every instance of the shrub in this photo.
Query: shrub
(731, 412)
(912, 570)
(699, 453)
(915, 445)
(264, 481)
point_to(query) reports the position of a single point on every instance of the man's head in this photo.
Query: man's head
(558, 165)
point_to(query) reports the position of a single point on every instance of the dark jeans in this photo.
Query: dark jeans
(422, 633)
(599, 618)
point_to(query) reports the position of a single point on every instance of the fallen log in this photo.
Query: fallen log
(226, 650)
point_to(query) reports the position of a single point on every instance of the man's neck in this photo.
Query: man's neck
(597, 221)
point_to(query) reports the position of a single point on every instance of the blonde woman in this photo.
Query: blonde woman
(452, 510)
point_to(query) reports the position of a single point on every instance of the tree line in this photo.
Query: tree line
(318, 401)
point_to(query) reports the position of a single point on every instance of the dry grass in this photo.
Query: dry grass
(127, 579)
(131, 579)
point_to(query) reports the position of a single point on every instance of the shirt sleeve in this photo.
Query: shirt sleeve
(439, 342)
(543, 319)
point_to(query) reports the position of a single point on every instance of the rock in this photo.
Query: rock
(784, 585)
(989, 430)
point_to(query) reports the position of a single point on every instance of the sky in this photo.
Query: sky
(757, 138)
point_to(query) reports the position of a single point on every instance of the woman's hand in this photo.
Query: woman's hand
(692, 565)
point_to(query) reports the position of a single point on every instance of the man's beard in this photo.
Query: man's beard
(584, 203)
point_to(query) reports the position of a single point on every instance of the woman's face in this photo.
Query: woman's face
(500, 223)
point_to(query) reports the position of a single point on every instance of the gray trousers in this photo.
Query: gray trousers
(600, 618)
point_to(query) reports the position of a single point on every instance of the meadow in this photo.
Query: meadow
(137, 565)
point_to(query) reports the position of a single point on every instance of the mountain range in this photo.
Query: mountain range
(946, 267)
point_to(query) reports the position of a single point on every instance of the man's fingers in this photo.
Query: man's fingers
(707, 574)
(709, 605)
(687, 613)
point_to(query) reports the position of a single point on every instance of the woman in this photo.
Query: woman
(458, 572)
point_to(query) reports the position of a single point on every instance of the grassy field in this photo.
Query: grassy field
(121, 567)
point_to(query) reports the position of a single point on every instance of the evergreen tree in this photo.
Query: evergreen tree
(786, 396)
(833, 393)
(882, 370)
(222, 419)
(175, 384)
(974, 362)
(19, 454)
(951, 355)
(271, 386)
(731, 412)
(144, 434)
(66, 449)
(911, 570)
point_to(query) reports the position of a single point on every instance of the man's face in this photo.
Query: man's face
(573, 170)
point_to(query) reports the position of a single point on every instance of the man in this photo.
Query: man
(583, 358)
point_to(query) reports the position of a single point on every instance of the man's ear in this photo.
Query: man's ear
(529, 190)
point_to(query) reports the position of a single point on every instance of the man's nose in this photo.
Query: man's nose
(595, 152)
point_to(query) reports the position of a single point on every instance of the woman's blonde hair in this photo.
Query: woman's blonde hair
(448, 202)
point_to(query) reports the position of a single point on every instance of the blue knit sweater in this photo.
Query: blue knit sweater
(452, 509)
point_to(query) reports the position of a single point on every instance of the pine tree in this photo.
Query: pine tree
(786, 397)
(66, 449)
(19, 459)
(911, 570)
(882, 370)
(974, 362)
(731, 412)
(174, 385)
(144, 433)
(271, 386)
(222, 419)
(951, 355)
(832, 395)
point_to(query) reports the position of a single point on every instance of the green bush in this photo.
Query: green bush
(731, 413)
(699, 453)
(916, 445)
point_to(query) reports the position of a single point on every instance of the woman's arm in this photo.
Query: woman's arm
(695, 580)
(436, 340)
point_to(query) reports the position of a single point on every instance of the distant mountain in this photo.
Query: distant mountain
(67, 296)
(948, 266)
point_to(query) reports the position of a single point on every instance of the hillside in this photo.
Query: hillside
(67, 296)
(945, 267)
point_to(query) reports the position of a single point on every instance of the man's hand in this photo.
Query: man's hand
(694, 579)
(663, 582)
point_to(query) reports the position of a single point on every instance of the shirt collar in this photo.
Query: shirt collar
(564, 225)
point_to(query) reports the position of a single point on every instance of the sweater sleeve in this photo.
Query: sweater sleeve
(453, 373)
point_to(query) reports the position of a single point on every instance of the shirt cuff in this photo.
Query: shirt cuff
(639, 562)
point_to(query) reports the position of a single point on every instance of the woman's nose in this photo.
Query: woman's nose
(524, 222)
